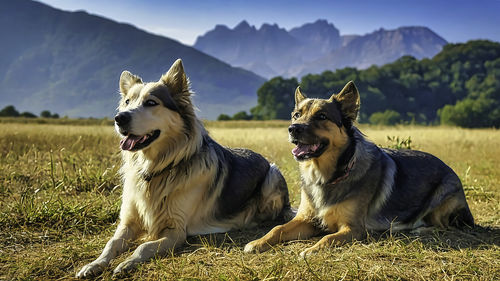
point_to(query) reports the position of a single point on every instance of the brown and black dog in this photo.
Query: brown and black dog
(350, 185)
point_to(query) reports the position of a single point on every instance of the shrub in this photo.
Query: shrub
(388, 117)
(47, 114)
(27, 114)
(397, 143)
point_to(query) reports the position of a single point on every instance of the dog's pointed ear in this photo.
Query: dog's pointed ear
(349, 100)
(175, 78)
(299, 96)
(127, 80)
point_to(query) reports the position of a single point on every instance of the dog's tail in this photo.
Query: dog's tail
(462, 218)
(275, 201)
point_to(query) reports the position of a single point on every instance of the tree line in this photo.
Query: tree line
(459, 86)
(11, 111)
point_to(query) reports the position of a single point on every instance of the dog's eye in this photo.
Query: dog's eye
(127, 101)
(296, 115)
(322, 116)
(150, 103)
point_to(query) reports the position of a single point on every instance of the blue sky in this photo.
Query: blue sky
(454, 20)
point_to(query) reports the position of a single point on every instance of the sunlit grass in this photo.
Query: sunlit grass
(60, 198)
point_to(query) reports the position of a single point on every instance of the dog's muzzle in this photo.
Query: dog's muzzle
(122, 121)
(307, 145)
(295, 130)
(131, 141)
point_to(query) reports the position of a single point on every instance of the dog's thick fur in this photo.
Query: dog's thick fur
(350, 186)
(177, 181)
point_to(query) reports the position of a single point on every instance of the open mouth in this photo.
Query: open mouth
(303, 151)
(133, 143)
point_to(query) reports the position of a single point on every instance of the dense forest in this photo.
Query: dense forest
(459, 86)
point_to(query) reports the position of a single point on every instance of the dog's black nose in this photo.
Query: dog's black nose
(122, 118)
(295, 129)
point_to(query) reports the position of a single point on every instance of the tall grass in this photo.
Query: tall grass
(60, 198)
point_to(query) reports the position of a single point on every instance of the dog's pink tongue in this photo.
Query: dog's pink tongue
(302, 149)
(129, 142)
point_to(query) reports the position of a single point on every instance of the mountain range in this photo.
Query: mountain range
(70, 63)
(313, 47)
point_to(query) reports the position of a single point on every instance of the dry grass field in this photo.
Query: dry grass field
(60, 198)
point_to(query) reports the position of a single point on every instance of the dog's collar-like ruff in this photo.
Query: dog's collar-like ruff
(149, 176)
(347, 170)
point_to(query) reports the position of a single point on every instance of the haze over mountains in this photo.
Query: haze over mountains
(70, 63)
(313, 47)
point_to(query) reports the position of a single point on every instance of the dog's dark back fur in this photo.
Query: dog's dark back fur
(244, 172)
(411, 194)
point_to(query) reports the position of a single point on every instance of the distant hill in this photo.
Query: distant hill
(313, 47)
(70, 63)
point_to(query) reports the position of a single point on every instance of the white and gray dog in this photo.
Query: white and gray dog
(177, 181)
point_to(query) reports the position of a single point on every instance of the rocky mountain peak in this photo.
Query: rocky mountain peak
(315, 47)
(243, 26)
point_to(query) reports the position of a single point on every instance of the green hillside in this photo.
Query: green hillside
(70, 63)
(458, 86)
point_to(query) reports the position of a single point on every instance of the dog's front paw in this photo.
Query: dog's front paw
(125, 267)
(309, 251)
(92, 269)
(250, 247)
(256, 246)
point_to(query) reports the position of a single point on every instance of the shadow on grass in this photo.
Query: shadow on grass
(227, 241)
(479, 237)
(436, 240)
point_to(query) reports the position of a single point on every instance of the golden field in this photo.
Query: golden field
(60, 198)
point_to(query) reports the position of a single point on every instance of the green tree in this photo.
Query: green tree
(45, 114)
(48, 114)
(242, 115)
(459, 86)
(275, 99)
(471, 113)
(223, 117)
(9, 111)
